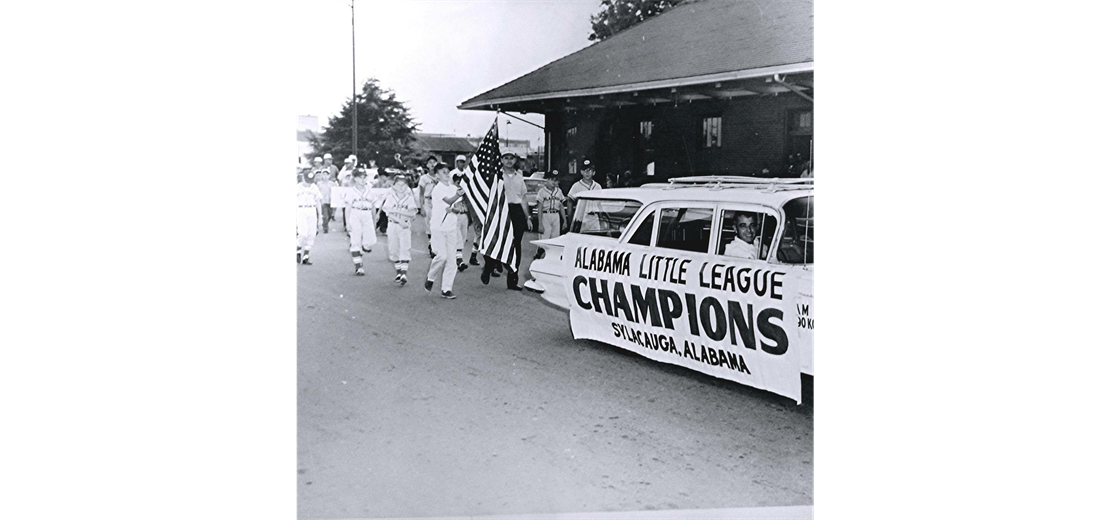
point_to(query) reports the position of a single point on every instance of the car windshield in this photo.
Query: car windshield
(606, 218)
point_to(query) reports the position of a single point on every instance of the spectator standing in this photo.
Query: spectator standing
(400, 208)
(308, 212)
(444, 231)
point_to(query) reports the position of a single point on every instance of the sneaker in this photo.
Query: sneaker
(514, 288)
(485, 277)
(473, 260)
(448, 294)
(404, 280)
(428, 285)
(305, 260)
(461, 266)
(397, 279)
(366, 251)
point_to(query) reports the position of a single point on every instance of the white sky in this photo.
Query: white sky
(434, 54)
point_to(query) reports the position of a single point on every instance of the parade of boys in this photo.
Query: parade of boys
(456, 201)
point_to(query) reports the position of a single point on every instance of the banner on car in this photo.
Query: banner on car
(722, 316)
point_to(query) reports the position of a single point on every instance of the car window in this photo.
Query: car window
(745, 234)
(796, 245)
(642, 236)
(685, 229)
(606, 218)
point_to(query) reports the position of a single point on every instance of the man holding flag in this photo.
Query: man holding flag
(485, 186)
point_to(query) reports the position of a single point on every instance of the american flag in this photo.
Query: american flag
(485, 188)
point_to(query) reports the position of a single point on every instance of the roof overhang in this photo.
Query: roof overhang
(720, 85)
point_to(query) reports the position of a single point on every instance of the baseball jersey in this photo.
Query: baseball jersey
(425, 184)
(579, 187)
(308, 195)
(366, 198)
(400, 208)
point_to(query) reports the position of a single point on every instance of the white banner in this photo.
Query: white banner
(726, 317)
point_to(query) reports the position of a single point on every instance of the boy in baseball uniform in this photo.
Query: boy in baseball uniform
(308, 213)
(360, 207)
(400, 208)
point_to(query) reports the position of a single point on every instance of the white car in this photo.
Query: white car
(711, 273)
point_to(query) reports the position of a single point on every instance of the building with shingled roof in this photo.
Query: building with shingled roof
(710, 87)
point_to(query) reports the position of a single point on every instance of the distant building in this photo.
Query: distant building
(444, 146)
(303, 148)
(710, 87)
(521, 147)
(307, 126)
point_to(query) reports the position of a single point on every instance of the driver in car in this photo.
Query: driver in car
(746, 244)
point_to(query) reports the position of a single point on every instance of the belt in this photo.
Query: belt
(303, 206)
(362, 209)
(555, 211)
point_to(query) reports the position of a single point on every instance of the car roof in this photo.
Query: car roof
(771, 192)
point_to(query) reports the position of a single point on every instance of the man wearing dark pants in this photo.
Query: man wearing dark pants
(514, 195)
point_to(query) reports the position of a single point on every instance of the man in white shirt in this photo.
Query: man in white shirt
(308, 212)
(333, 172)
(746, 244)
(444, 231)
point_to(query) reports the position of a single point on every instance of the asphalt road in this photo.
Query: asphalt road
(413, 405)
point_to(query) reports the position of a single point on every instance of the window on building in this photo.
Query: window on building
(572, 131)
(685, 229)
(572, 167)
(711, 132)
(801, 122)
(645, 129)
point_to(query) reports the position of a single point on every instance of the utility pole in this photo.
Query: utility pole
(354, 90)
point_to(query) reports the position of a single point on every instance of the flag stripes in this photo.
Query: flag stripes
(485, 188)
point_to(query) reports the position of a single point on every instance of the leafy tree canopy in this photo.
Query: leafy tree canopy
(618, 15)
(385, 128)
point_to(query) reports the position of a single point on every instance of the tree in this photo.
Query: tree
(618, 15)
(384, 129)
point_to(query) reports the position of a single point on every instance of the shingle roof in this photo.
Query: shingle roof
(433, 142)
(699, 38)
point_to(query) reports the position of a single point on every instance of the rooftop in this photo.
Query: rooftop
(733, 45)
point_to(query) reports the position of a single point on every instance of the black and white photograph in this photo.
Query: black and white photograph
(562, 264)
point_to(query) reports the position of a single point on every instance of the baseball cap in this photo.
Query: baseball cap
(588, 164)
(317, 160)
(503, 154)
(460, 157)
(327, 156)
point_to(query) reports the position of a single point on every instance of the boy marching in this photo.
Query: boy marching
(400, 208)
(308, 212)
(360, 206)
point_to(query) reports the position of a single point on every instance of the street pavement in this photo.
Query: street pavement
(411, 405)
